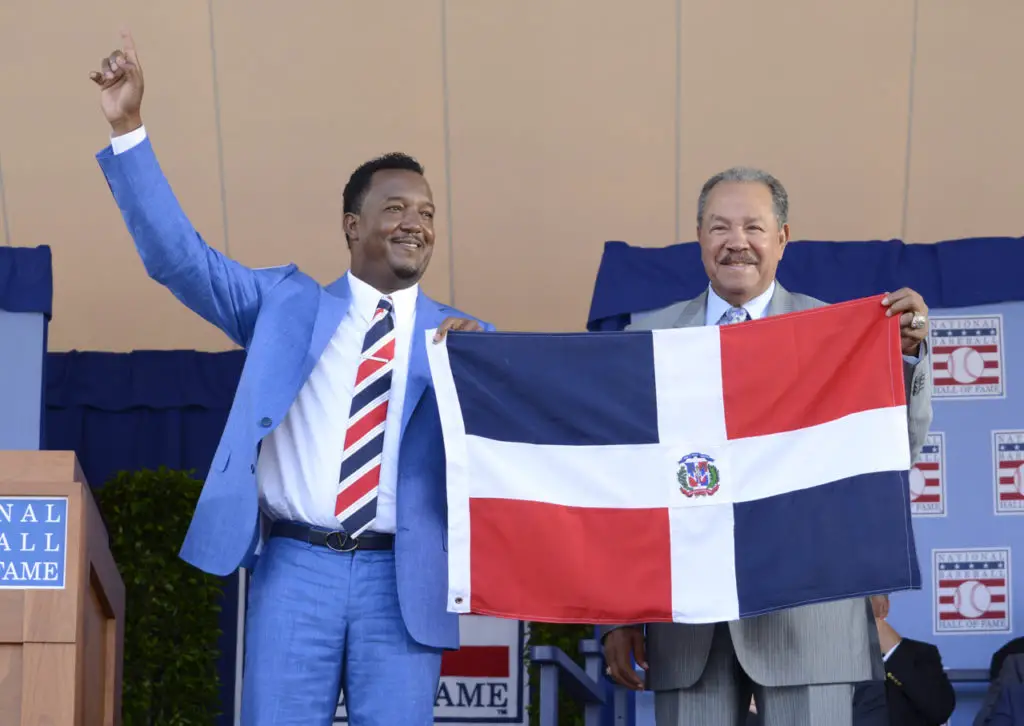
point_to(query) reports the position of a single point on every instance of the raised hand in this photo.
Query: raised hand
(120, 80)
(909, 305)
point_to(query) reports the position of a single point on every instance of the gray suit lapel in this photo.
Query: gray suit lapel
(693, 312)
(782, 302)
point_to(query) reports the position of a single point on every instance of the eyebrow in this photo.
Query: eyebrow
(746, 220)
(403, 200)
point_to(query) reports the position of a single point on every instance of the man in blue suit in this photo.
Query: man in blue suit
(331, 465)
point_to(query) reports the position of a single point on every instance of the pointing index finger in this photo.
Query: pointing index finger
(128, 45)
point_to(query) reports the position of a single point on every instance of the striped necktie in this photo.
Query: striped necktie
(356, 504)
(734, 315)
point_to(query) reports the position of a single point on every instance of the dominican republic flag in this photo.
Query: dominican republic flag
(692, 475)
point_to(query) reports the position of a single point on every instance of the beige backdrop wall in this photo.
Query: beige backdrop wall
(546, 126)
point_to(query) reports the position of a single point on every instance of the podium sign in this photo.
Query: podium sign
(33, 541)
(485, 681)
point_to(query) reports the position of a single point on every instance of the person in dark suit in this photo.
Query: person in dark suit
(916, 690)
(997, 679)
(1009, 707)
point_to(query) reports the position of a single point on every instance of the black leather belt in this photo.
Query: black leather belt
(333, 539)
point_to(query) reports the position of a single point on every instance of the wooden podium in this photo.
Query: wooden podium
(61, 597)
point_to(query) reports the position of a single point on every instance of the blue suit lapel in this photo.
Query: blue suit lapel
(429, 314)
(334, 302)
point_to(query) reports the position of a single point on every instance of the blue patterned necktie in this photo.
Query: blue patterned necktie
(734, 315)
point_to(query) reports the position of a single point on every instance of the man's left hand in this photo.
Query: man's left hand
(913, 318)
(888, 638)
(455, 324)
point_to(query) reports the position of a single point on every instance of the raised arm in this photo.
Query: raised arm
(217, 288)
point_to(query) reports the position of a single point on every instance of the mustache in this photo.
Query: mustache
(738, 259)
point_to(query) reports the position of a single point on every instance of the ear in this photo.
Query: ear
(783, 238)
(350, 225)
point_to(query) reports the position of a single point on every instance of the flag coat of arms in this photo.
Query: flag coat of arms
(689, 475)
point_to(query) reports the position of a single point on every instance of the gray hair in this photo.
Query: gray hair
(780, 199)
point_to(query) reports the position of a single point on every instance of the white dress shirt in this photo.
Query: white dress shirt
(300, 462)
(891, 651)
(755, 308)
(299, 466)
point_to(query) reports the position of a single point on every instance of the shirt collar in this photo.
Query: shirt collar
(756, 308)
(365, 298)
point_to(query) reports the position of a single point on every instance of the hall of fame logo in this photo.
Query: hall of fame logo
(1008, 471)
(928, 479)
(971, 591)
(967, 357)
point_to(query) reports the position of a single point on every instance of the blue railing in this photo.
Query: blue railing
(589, 687)
(586, 685)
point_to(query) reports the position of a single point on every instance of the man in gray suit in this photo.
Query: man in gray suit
(800, 664)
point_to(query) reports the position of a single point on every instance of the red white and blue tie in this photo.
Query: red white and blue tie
(356, 504)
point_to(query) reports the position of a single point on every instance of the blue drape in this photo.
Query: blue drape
(143, 410)
(26, 283)
(957, 273)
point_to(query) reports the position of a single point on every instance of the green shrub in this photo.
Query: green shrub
(172, 608)
(566, 637)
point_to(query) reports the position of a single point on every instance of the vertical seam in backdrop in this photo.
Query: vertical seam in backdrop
(3, 206)
(447, 153)
(217, 131)
(910, 125)
(679, 117)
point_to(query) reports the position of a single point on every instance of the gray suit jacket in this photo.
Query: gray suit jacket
(812, 644)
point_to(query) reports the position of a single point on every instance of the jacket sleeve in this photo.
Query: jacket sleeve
(219, 289)
(869, 705)
(1006, 711)
(917, 379)
(915, 668)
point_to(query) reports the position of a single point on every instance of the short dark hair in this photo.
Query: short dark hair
(359, 182)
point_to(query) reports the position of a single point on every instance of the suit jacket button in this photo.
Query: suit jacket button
(252, 468)
(265, 423)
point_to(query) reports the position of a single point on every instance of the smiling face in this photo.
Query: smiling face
(741, 241)
(391, 236)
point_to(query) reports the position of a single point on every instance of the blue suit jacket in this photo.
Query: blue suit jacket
(284, 320)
